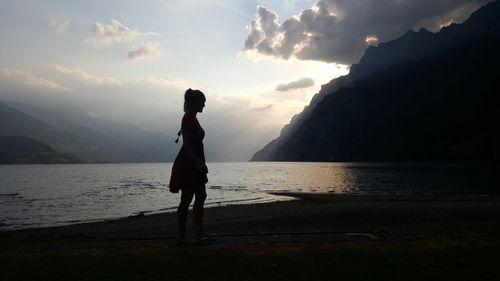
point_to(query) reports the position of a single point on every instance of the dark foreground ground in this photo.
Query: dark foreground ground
(318, 237)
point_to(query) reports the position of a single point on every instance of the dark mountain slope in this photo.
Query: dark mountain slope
(440, 108)
(267, 152)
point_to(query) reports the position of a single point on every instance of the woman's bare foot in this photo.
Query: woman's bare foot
(185, 240)
(202, 236)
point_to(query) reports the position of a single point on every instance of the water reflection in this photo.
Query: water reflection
(366, 178)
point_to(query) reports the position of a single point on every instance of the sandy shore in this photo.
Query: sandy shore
(322, 227)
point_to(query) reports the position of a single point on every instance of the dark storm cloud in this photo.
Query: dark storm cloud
(340, 30)
(305, 82)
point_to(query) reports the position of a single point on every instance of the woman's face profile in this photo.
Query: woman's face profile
(199, 106)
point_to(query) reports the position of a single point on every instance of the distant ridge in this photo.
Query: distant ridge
(119, 142)
(14, 122)
(23, 150)
(69, 129)
(379, 112)
(416, 45)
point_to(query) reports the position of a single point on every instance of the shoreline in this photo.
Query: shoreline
(305, 204)
(288, 195)
(436, 236)
(167, 210)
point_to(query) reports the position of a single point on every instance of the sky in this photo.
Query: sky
(258, 62)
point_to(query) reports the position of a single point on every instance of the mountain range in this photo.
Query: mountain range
(69, 129)
(422, 97)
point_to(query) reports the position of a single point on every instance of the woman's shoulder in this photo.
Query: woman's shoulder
(189, 119)
(187, 116)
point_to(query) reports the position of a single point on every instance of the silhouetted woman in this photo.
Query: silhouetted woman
(189, 172)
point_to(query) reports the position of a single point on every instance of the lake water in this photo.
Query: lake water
(49, 195)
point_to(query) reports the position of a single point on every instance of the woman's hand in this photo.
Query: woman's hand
(202, 167)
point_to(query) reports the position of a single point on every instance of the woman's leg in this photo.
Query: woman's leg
(182, 213)
(199, 201)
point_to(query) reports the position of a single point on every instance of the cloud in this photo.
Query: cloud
(371, 40)
(162, 82)
(148, 49)
(60, 26)
(263, 108)
(18, 78)
(77, 75)
(103, 35)
(128, 100)
(340, 30)
(305, 82)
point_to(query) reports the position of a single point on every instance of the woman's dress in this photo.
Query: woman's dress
(185, 174)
